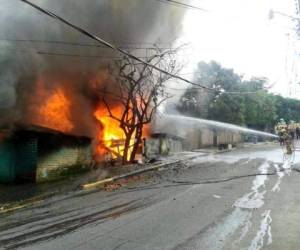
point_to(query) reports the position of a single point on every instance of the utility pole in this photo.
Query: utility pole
(291, 53)
(297, 2)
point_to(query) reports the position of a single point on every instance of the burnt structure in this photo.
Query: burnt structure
(38, 154)
(162, 144)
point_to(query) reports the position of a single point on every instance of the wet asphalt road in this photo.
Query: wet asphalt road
(211, 202)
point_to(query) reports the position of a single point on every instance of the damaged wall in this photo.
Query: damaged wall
(39, 155)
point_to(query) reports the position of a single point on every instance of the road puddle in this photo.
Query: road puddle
(215, 238)
(255, 199)
(241, 219)
(264, 232)
(246, 226)
(280, 174)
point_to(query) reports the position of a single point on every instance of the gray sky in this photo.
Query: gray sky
(239, 35)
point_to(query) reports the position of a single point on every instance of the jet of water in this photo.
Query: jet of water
(215, 124)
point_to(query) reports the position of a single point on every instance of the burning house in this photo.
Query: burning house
(55, 81)
(39, 154)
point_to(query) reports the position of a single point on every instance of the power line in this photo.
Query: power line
(240, 93)
(80, 55)
(225, 92)
(47, 53)
(181, 4)
(112, 46)
(82, 44)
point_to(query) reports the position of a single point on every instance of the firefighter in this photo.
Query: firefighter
(281, 129)
(298, 132)
(288, 141)
(285, 136)
(292, 129)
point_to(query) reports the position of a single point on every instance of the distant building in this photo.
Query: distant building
(40, 154)
(162, 144)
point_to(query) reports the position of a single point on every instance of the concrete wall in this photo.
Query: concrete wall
(198, 138)
(237, 138)
(195, 139)
(224, 137)
(161, 146)
(192, 139)
(152, 147)
(175, 145)
(207, 137)
(63, 162)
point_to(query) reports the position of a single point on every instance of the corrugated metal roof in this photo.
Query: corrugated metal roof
(42, 129)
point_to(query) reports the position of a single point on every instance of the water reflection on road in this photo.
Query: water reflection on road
(241, 220)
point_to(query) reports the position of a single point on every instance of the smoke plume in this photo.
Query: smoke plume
(25, 64)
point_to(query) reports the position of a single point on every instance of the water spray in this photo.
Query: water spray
(222, 125)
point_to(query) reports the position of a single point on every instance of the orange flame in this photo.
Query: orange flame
(54, 109)
(112, 137)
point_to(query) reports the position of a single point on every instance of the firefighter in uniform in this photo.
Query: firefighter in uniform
(288, 140)
(280, 130)
(285, 138)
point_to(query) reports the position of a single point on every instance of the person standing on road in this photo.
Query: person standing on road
(298, 133)
(280, 130)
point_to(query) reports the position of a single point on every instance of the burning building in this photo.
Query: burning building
(51, 76)
(38, 154)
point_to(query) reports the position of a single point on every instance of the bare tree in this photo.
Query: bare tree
(140, 91)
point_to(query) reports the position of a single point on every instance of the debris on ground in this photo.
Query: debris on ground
(123, 182)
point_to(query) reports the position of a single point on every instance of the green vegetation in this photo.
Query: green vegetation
(256, 108)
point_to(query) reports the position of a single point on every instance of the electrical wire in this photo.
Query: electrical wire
(176, 183)
(212, 181)
(225, 92)
(47, 53)
(83, 44)
(180, 4)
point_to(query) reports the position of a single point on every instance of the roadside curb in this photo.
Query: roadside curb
(94, 186)
(102, 183)
(89, 188)
(250, 145)
(7, 208)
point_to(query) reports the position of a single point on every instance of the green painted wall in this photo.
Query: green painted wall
(7, 162)
(26, 158)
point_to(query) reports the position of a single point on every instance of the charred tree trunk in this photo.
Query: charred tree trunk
(126, 148)
(137, 142)
(141, 91)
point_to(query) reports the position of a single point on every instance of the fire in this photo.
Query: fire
(54, 109)
(112, 137)
(52, 106)
(112, 131)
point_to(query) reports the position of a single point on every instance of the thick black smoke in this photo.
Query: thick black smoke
(126, 23)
